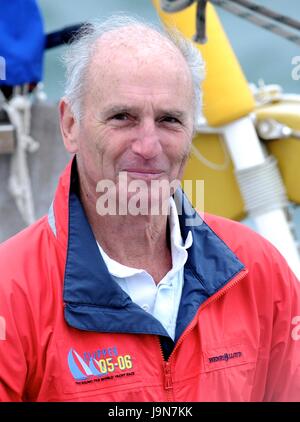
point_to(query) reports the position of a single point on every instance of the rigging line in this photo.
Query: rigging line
(62, 36)
(261, 10)
(262, 23)
(201, 22)
(210, 164)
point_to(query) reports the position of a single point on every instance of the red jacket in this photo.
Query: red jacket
(69, 333)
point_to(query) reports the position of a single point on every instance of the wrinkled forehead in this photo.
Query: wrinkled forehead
(135, 46)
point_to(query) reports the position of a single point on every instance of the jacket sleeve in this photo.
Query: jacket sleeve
(15, 344)
(283, 379)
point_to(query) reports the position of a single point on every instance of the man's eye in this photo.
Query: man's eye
(120, 116)
(169, 119)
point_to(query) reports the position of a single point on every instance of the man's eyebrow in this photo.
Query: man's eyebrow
(117, 109)
(175, 113)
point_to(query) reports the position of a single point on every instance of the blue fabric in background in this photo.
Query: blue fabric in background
(22, 41)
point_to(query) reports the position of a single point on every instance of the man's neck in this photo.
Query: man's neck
(135, 241)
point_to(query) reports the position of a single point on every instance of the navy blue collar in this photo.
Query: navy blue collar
(95, 302)
(210, 259)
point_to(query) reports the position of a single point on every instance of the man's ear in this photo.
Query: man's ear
(69, 126)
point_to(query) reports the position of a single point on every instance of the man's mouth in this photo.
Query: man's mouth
(143, 174)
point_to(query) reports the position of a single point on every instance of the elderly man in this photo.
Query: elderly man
(107, 300)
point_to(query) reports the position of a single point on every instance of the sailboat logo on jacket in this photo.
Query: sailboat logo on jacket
(80, 370)
(91, 368)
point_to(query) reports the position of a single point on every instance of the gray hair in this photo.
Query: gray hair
(79, 53)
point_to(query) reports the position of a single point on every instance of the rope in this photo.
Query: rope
(18, 109)
(261, 10)
(262, 23)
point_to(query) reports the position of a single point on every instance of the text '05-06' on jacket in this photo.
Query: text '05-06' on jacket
(68, 332)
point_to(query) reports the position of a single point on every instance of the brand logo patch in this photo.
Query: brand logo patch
(100, 365)
(225, 357)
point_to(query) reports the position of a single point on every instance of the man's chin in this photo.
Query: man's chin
(142, 203)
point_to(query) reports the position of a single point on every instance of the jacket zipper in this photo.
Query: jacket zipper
(168, 383)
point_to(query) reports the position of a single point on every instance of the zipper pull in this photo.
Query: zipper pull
(168, 376)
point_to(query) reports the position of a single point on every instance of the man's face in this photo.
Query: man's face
(138, 117)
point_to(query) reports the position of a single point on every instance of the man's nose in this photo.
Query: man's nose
(147, 143)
